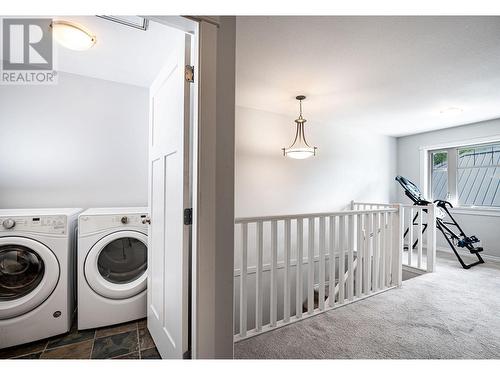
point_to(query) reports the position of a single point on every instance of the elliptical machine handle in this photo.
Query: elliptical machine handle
(442, 203)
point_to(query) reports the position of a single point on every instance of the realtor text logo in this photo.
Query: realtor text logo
(27, 52)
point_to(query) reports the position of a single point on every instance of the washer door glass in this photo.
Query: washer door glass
(123, 260)
(29, 273)
(21, 271)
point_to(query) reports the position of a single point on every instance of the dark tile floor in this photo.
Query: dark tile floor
(123, 341)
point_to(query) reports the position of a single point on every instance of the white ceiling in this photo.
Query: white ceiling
(392, 75)
(121, 54)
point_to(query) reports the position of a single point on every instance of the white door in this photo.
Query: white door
(168, 240)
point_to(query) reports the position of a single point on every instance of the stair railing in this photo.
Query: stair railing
(291, 267)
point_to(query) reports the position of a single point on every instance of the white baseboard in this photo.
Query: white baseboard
(444, 249)
(414, 270)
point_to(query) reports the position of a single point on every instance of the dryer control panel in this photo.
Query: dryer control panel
(55, 224)
(96, 223)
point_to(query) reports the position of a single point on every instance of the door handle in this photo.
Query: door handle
(146, 220)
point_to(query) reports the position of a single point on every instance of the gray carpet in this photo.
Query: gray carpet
(453, 313)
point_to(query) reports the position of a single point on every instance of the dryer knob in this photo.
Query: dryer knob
(9, 223)
(124, 220)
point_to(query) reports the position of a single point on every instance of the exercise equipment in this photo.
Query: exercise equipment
(445, 222)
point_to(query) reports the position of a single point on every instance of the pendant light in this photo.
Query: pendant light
(299, 149)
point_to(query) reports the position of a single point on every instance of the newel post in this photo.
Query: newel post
(397, 245)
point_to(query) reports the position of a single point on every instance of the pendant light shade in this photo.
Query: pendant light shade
(72, 36)
(299, 149)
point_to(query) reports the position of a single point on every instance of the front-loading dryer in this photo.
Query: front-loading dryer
(37, 273)
(112, 266)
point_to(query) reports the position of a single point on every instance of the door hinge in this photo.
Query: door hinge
(188, 216)
(189, 73)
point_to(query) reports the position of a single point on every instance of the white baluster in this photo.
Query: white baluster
(321, 263)
(397, 256)
(331, 249)
(359, 256)
(376, 251)
(342, 246)
(274, 274)
(391, 243)
(286, 280)
(310, 267)
(243, 280)
(369, 258)
(366, 248)
(350, 257)
(383, 250)
(258, 279)
(299, 277)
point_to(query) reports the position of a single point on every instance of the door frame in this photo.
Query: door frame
(211, 270)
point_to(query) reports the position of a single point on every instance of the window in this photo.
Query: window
(466, 176)
(439, 176)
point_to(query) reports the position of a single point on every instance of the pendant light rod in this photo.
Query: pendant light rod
(300, 98)
(300, 119)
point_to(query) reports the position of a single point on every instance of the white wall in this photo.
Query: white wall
(80, 143)
(485, 226)
(350, 164)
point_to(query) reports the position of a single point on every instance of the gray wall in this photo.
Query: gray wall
(483, 225)
(80, 143)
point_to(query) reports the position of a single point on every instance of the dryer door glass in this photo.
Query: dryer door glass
(123, 260)
(21, 271)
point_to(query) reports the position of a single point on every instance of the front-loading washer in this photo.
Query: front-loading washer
(112, 266)
(37, 273)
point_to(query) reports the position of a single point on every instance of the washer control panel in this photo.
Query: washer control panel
(38, 224)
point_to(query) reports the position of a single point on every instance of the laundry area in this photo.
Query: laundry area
(73, 281)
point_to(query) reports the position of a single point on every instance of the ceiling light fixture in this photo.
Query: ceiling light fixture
(299, 149)
(72, 36)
